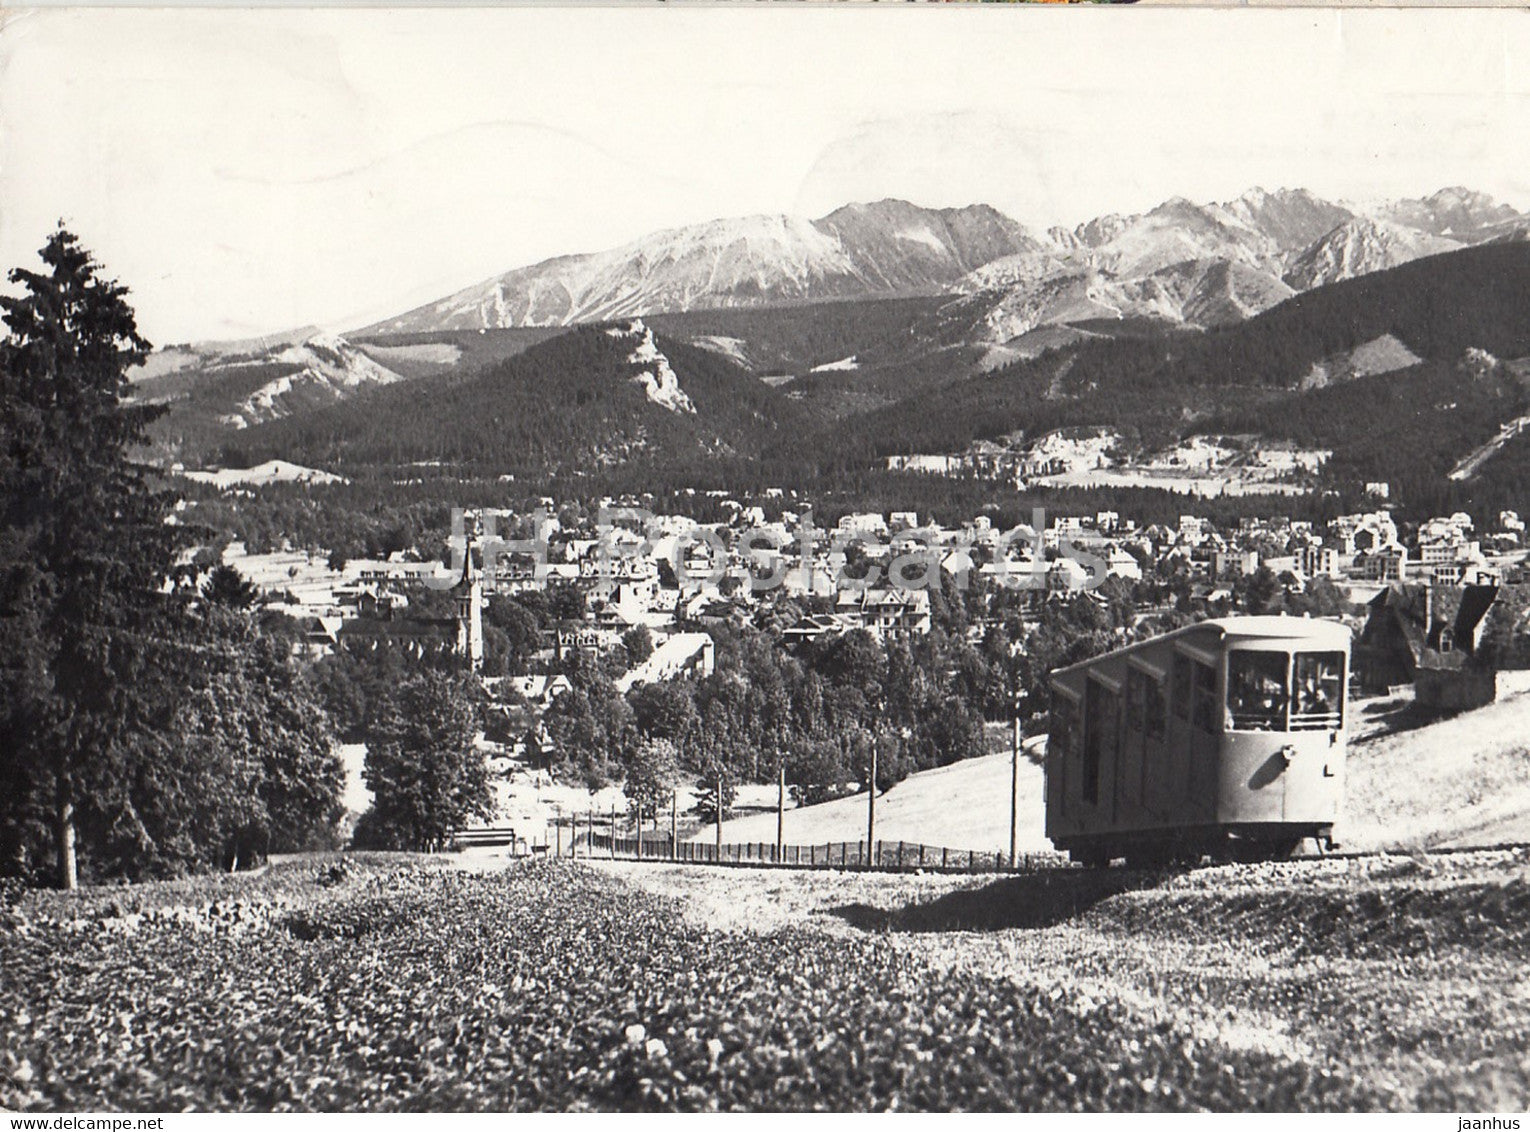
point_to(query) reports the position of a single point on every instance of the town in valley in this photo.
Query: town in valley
(574, 559)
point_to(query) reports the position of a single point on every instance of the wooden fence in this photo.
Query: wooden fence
(884, 855)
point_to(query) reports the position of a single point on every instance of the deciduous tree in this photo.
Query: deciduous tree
(426, 775)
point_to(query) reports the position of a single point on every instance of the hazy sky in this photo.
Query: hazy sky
(245, 172)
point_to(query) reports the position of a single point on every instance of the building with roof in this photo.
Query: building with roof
(1427, 636)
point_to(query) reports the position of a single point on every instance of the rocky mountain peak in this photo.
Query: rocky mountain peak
(657, 377)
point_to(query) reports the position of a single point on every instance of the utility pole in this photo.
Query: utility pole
(780, 811)
(871, 805)
(1014, 787)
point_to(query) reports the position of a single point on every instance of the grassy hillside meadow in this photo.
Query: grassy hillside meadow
(394, 984)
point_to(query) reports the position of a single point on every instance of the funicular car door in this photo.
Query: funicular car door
(1313, 778)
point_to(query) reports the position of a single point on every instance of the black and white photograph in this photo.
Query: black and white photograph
(732, 558)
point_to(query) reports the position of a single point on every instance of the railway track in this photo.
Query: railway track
(1440, 851)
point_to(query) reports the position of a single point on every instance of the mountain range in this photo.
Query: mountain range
(859, 251)
(1400, 374)
(1181, 262)
(808, 352)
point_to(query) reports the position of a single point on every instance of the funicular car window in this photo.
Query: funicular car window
(1101, 720)
(1060, 741)
(1136, 700)
(1319, 690)
(1256, 690)
(1181, 686)
(1060, 747)
(1154, 709)
(1145, 708)
(1206, 698)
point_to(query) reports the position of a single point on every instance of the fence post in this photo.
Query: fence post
(1014, 784)
(781, 814)
(945, 855)
(674, 824)
(871, 796)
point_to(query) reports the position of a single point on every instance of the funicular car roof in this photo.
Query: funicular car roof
(1309, 630)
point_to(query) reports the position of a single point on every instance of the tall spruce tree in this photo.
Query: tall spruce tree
(85, 550)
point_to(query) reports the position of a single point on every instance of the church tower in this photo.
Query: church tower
(469, 594)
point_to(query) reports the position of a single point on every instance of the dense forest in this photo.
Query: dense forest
(564, 406)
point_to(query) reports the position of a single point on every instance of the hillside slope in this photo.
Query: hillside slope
(961, 806)
(1460, 781)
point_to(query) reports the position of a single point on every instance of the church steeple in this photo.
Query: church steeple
(469, 594)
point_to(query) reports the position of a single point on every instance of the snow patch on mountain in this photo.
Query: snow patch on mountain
(734, 349)
(272, 471)
(660, 383)
(920, 236)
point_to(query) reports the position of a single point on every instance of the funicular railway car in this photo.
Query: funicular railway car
(1224, 738)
